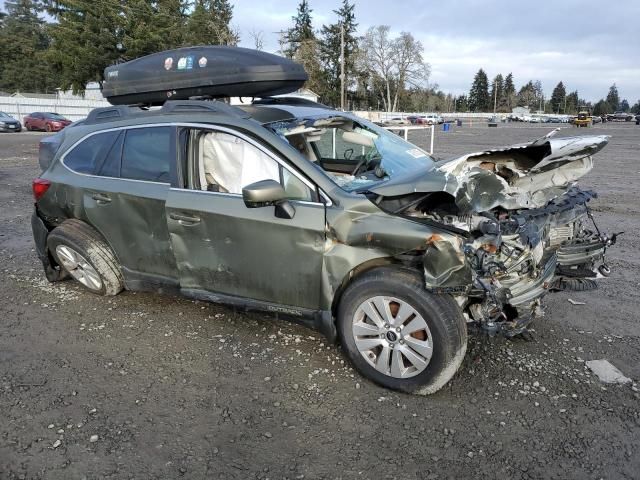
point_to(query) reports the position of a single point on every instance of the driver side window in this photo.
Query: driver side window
(227, 163)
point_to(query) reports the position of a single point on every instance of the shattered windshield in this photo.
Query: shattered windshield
(355, 154)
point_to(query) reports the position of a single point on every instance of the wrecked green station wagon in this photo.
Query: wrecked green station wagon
(288, 206)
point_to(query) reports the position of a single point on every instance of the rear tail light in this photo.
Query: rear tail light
(40, 187)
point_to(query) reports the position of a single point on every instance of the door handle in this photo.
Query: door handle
(185, 219)
(101, 199)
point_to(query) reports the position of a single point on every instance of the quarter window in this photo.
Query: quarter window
(87, 155)
(146, 154)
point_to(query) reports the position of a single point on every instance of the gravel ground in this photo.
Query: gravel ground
(152, 386)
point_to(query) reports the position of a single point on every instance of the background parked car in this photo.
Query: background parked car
(397, 121)
(48, 121)
(8, 123)
(638, 119)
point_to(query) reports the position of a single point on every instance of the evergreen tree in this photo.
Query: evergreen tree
(636, 107)
(302, 29)
(152, 26)
(462, 104)
(613, 99)
(330, 51)
(558, 98)
(573, 103)
(24, 40)
(90, 35)
(210, 24)
(479, 93)
(509, 93)
(602, 107)
(624, 105)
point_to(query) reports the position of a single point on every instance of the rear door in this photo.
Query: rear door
(224, 247)
(124, 176)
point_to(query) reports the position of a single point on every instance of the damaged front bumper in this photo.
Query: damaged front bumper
(500, 273)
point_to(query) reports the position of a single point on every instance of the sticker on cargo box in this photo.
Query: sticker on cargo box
(202, 62)
(168, 63)
(182, 63)
(189, 63)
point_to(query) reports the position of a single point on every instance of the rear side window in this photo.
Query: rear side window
(146, 154)
(111, 165)
(88, 155)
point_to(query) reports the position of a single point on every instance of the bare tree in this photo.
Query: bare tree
(258, 39)
(393, 63)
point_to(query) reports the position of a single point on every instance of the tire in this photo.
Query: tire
(48, 128)
(74, 237)
(445, 328)
(28, 127)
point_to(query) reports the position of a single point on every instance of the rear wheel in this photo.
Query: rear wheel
(82, 252)
(48, 127)
(398, 334)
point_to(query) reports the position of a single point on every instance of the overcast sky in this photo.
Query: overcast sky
(588, 44)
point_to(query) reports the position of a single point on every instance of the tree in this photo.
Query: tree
(90, 35)
(636, 107)
(302, 29)
(24, 40)
(152, 26)
(573, 103)
(392, 64)
(624, 105)
(307, 54)
(509, 97)
(330, 51)
(558, 98)
(462, 104)
(602, 107)
(530, 95)
(210, 24)
(479, 93)
(613, 99)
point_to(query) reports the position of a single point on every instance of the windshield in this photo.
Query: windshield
(4, 115)
(54, 116)
(354, 153)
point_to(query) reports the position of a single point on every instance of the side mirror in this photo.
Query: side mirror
(266, 193)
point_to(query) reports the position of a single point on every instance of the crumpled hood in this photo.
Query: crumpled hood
(520, 176)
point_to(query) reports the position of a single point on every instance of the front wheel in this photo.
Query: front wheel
(398, 334)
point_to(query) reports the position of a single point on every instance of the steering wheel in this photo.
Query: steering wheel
(359, 166)
(348, 153)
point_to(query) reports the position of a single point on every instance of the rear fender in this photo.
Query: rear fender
(52, 271)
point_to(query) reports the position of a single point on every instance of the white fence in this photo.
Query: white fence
(19, 107)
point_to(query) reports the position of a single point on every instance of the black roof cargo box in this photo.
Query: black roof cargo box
(206, 71)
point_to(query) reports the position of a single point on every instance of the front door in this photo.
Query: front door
(222, 246)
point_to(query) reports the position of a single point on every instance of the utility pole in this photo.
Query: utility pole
(342, 66)
(495, 97)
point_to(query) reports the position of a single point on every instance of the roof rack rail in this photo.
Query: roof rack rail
(181, 106)
(121, 112)
(116, 112)
(284, 100)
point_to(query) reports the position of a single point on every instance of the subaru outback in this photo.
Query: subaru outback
(291, 207)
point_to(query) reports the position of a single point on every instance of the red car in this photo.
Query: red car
(51, 122)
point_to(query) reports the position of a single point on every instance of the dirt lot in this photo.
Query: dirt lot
(178, 388)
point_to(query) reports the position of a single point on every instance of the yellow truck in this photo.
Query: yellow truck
(583, 119)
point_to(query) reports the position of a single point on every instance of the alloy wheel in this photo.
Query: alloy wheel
(392, 336)
(78, 267)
